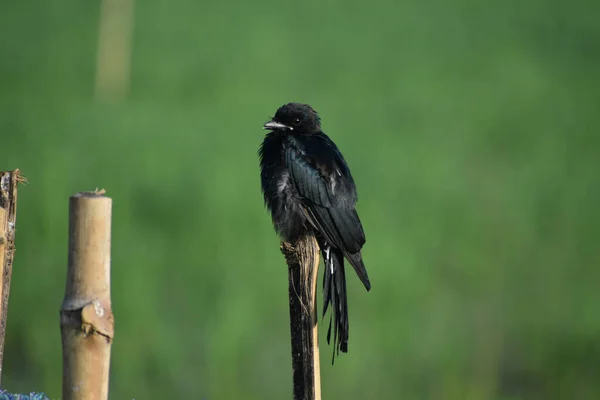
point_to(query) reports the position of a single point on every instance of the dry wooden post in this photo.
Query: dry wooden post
(302, 258)
(86, 318)
(8, 218)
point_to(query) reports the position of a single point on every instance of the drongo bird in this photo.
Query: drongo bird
(308, 188)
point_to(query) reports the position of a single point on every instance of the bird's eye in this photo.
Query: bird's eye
(297, 121)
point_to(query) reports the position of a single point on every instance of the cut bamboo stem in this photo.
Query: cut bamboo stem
(8, 218)
(86, 319)
(302, 258)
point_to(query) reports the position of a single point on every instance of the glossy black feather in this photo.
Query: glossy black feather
(308, 187)
(334, 293)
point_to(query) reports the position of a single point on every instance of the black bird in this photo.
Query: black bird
(308, 187)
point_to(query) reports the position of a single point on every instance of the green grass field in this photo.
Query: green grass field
(471, 130)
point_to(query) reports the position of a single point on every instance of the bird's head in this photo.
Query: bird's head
(295, 117)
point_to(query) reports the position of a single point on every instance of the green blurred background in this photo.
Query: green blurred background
(472, 132)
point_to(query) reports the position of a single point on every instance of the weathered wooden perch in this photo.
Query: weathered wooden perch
(86, 319)
(8, 219)
(302, 258)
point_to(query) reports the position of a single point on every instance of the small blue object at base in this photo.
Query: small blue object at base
(4, 395)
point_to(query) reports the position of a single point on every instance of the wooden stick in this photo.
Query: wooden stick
(302, 258)
(86, 319)
(8, 219)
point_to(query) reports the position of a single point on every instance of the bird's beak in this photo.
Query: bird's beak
(274, 125)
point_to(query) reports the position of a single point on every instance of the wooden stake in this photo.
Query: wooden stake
(8, 219)
(302, 258)
(86, 318)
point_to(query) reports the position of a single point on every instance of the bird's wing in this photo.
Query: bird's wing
(326, 189)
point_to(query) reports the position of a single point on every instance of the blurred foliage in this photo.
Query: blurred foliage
(471, 129)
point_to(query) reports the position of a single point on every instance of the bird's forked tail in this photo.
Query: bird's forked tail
(334, 293)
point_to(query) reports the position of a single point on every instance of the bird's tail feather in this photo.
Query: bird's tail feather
(334, 293)
(359, 267)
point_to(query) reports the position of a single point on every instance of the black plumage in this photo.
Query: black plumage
(308, 188)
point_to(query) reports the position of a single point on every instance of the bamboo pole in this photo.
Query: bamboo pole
(8, 219)
(86, 318)
(302, 258)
